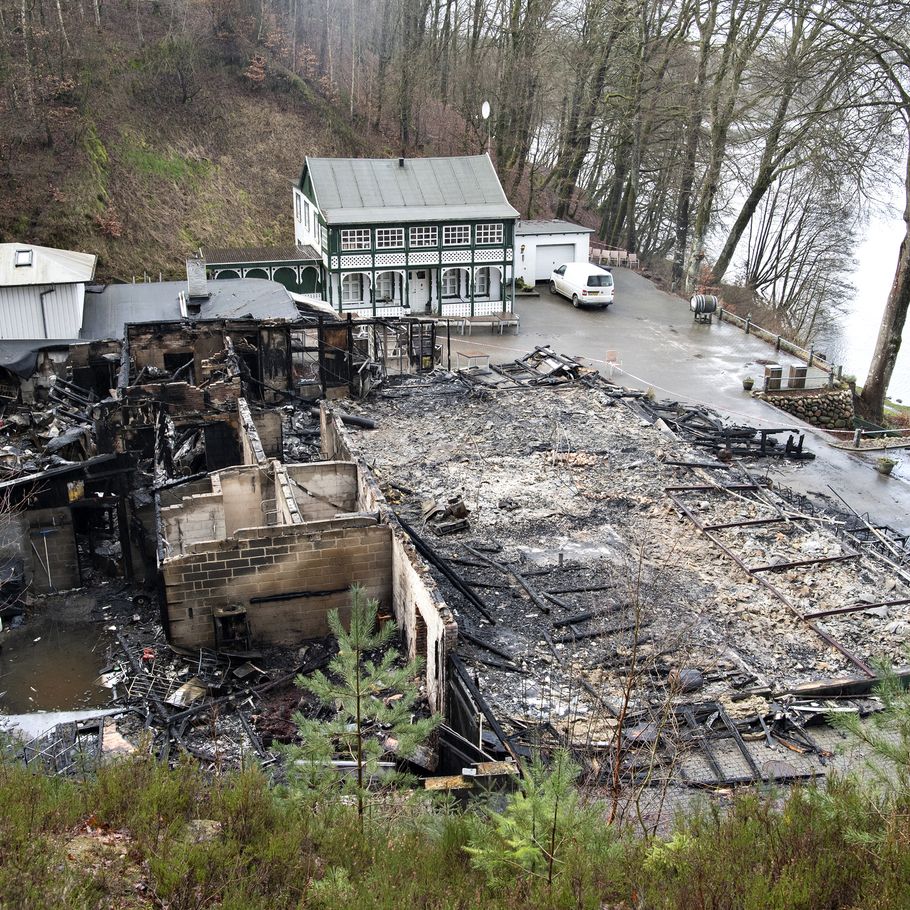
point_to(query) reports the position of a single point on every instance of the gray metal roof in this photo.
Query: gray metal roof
(45, 265)
(553, 226)
(118, 304)
(366, 190)
(255, 254)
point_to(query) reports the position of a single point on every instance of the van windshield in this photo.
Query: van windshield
(600, 281)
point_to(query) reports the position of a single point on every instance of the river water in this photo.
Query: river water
(851, 339)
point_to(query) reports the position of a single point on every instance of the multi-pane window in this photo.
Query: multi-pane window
(385, 286)
(482, 283)
(489, 233)
(323, 234)
(389, 238)
(456, 234)
(450, 283)
(424, 236)
(355, 239)
(352, 288)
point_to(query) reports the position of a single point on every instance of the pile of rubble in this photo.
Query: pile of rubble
(585, 598)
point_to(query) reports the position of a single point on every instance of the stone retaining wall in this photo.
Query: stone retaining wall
(825, 408)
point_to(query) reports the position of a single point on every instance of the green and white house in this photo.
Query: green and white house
(408, 236)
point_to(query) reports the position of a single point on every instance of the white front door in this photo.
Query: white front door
(418, 289)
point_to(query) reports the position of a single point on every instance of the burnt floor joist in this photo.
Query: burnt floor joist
(761, 578)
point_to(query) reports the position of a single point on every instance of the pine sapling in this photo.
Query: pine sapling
(373, 700)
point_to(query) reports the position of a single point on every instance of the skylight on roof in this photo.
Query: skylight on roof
(22, 258)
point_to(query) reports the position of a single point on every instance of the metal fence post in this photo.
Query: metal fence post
(748, 322)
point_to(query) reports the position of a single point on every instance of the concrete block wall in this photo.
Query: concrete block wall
(427, 623)
(250, 443)
(61, 554)
(317, 562)
(428, 626)
(268, 425)
(333, 487)
(197, 518)
(288, 511)
(243, 498)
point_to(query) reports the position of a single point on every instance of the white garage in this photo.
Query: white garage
(542, 246)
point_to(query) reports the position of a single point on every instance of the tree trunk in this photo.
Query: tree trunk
(693, 129)
(872, 399)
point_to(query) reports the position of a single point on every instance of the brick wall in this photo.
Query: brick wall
(321, 560)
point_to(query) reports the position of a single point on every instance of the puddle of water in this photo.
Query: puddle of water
(54, 673)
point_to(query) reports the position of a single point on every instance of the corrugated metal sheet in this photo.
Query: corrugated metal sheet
(362, 190)
(48, 266)
(21, 315)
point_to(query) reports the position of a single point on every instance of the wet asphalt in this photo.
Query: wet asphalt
(658, 344)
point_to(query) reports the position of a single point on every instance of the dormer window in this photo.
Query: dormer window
(22, 258)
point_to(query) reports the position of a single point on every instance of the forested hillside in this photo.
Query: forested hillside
(736, 139)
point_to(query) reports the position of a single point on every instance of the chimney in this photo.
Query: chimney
(196, 284)
(401, 162)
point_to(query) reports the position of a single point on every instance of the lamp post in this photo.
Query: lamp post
(485, 113)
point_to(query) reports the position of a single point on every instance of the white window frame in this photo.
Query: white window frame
(482, 283)
(355, 239)
(355, 278)
(385, 286)
(306, 215)
(22, 258)
(464, 230)
(423, 236)
(323, 234)
(451, 275)
(297, 208)
(490, 234)
(389, 238)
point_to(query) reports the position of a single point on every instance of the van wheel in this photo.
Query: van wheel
(575, 301)
(553, 288)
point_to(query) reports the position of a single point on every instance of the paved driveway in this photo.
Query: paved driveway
(659, 345)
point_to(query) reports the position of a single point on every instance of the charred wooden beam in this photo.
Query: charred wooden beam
(857, 608)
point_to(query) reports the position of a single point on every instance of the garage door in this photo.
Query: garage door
(551, 256)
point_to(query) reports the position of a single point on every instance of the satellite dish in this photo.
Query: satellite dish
(485, 110)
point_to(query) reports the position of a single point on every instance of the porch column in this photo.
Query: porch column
(471, 280)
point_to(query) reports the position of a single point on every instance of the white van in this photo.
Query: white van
(583, 284)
